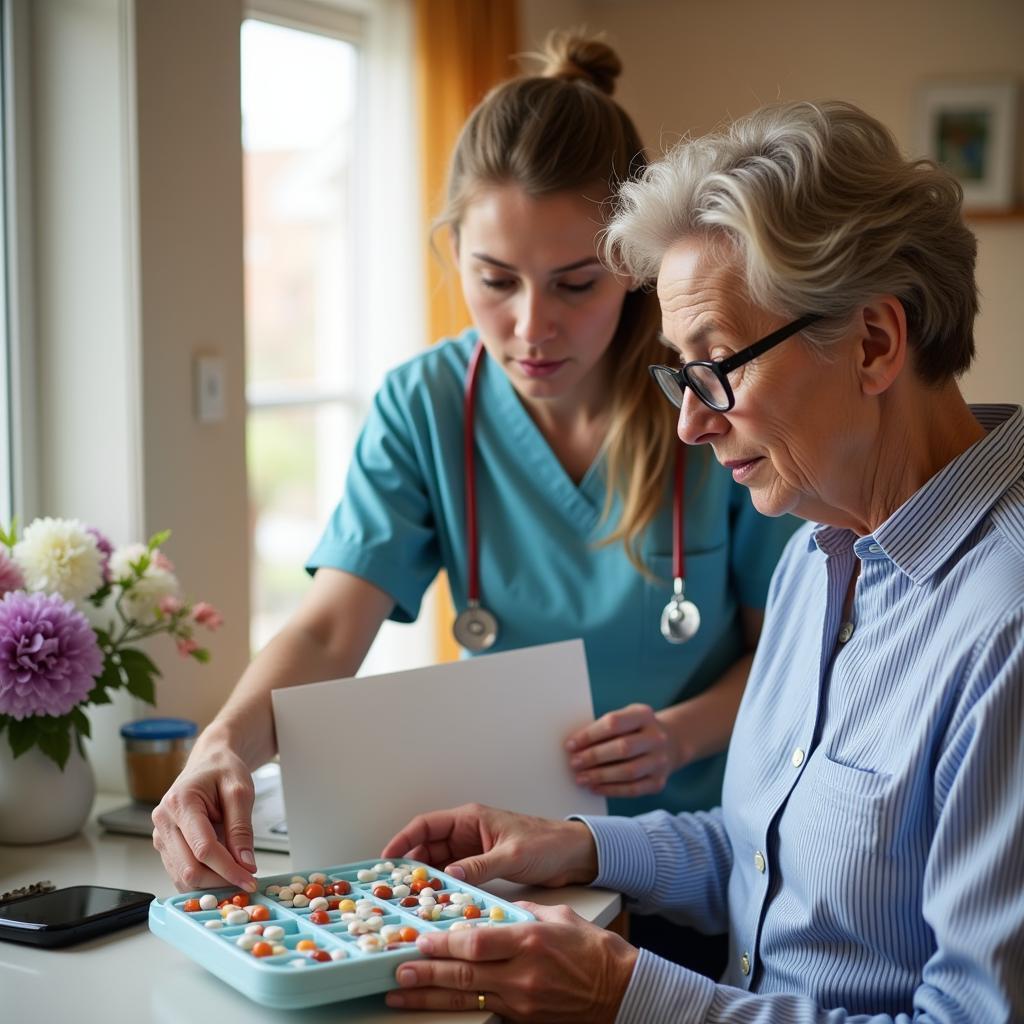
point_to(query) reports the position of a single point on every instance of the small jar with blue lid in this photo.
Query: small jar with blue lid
(155, 751)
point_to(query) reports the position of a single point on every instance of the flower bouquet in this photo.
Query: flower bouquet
(72, 610)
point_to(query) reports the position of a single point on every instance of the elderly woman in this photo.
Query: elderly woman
(818, 293)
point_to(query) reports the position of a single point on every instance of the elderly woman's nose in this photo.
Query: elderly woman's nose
(698, 424)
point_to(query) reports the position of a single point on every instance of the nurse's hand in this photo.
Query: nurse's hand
(625, 753)
(477, 843)
(202, 828)
(560, 968)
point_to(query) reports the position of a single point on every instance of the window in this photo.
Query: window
(312, 284)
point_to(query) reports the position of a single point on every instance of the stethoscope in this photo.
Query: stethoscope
(476, 628)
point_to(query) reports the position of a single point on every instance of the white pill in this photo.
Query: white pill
(300, 901)
(397, 875)
(208, 901)
(338, 954)
(450, 911)
(318, 903)
(389, 932)
(427, 901)
(273, 932)
(272, 890)
(458, 925)
(365, 875)
(214, 925)
(247, 941)
(350, 915)
(400, 891)
(299, 880)
(318, 878)
(278, 950)
(375, 923)
(356, 927)
(459, 898)
(370, 943)
(298, 963)
(427, 891)
(254, 929)
(237, 917)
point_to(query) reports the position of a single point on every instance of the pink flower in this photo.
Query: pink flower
(186, 645)
(206, 615)
(161, 561)
(170, 605)
(11, 577)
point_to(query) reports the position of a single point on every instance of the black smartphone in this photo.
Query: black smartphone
(65, 916)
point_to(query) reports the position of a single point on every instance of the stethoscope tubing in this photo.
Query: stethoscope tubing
(472, 533)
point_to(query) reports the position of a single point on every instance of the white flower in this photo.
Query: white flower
(142, 599)
(60, 556)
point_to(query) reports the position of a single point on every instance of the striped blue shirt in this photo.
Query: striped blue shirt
(868, 856)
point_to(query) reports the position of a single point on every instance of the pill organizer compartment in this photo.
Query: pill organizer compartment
(291, 979)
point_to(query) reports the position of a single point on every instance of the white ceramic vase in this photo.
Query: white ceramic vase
(39, 803)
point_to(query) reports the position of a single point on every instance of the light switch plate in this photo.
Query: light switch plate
(211, 388)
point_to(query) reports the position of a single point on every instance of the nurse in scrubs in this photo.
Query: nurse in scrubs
(575, 468)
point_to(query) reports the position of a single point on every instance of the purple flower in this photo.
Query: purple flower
(11, 577)
(48, 655)
(106, 550)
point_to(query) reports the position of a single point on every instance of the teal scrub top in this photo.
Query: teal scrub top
(542, 572)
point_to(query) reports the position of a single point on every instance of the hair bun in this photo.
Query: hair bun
(574, 55)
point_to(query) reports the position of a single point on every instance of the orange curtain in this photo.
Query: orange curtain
(463, 48)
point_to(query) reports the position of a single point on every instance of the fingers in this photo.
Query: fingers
(616, 723)
(190, 848)
(236, 800)
(447, 1000)
(424, 834)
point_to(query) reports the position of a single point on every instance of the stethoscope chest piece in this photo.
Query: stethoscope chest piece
(681, 618)
(475, 628)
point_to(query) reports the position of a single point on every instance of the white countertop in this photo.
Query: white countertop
(132, 976)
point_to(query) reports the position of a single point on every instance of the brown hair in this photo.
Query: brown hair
(561, 131)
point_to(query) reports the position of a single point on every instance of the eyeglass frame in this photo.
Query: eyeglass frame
(722, 367)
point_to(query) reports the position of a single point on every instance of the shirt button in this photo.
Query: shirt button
(797, 758)
(745, 963)
(845, 632)
(759, 861)
(875, 548)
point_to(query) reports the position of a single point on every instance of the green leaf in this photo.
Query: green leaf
(98, 695)
(22, 735)
(201, 654)
(140, 565)
(141, 673)
(157, 539)
(97, 597)
(80, 722)
(57, 746)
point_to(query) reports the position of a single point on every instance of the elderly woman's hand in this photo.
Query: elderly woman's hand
(477, 843)
(625, 753)
(559, 968)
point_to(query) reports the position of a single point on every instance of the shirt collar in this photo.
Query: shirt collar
(930, 525)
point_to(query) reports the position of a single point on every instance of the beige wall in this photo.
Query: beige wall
(690, 64)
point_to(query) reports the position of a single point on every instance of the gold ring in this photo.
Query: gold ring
(481, 1001)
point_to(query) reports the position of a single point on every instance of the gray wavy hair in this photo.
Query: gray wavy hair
(822, 213)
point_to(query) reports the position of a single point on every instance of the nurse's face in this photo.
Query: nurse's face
(796, 427)
(545, 307)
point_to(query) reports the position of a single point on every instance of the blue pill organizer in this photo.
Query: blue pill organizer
(272, 980)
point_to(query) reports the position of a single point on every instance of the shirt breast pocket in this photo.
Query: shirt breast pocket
(850, 806)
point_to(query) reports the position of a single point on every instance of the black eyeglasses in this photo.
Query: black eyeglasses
(708, 377)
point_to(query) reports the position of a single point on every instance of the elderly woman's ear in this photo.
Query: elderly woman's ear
(881, 344)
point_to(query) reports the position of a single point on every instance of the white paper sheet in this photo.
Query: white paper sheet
(361, 757)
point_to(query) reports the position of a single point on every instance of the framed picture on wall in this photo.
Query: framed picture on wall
(971, 128)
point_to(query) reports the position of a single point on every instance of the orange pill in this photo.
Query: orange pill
(444, 897)
(263, 949)
(320, 954)
(383, 892)
(320, 917)
(260, 913)
(408, 934)
(341, 888)
(305, 944)
(377, 910)
(313, 890)
(191, 906)
(240, 899)
(471, 910)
